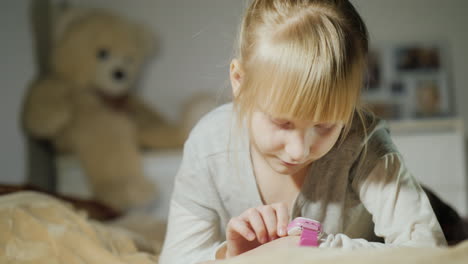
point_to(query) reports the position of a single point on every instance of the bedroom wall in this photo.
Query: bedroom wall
(16, 70)
(196, 41)
(419, 20)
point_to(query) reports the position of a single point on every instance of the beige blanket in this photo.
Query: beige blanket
(35, 228)
(454, 255)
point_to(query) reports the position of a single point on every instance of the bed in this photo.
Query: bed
(40, 229)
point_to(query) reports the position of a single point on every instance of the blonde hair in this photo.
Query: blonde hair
(302, 59)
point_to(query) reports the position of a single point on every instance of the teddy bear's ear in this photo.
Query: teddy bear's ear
(64, 18)
(146, 39)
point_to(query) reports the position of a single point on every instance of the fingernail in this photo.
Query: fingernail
(281, 232)
(251, 237)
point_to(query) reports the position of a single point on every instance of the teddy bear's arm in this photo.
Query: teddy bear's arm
(153, 130)
(142, 113)
(46, 108)
(161, 136)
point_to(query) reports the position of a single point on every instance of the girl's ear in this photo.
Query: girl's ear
(236, 74)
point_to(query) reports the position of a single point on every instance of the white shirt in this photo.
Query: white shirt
(382, 201)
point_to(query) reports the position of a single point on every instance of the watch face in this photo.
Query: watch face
(303, 222)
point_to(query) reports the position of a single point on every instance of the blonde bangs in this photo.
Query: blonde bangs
(298, 75)
(303, 96)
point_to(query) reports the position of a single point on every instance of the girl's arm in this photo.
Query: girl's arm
(400, 209)
(193, 233)
(189, 238)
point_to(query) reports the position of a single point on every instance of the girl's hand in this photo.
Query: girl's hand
(256, 226)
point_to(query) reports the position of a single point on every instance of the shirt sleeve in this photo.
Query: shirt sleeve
(401, 211)
(193, 233)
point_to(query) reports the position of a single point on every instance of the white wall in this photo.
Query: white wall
(16, 70)
(196, 39)
(419, 20)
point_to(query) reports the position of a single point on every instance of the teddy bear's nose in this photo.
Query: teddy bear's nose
(119, 75)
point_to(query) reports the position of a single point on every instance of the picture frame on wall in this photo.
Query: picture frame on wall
(409, 81)
(431, 98)
(417, 58)
(373, 75)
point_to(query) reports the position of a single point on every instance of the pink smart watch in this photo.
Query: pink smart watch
(309, 230)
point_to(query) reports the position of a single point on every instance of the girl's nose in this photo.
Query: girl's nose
(298, 146)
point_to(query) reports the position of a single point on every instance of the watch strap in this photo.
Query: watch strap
(309, 238)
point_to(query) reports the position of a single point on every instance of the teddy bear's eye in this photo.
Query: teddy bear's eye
(103, 54)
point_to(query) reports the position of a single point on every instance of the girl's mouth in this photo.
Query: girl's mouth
(289, 164)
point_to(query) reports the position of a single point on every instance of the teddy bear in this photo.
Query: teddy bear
(85, 104)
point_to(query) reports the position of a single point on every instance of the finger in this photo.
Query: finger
(256, 222)
(269, 218)
(282, 216)
(241, 227)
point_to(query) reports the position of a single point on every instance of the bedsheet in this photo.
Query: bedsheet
(37, 228)
(453, 255)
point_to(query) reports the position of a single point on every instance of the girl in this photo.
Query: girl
(295, 142)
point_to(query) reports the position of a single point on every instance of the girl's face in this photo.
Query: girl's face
(288, 146)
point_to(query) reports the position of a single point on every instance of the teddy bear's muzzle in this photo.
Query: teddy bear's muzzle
(119, 75)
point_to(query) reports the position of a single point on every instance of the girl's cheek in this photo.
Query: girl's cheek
(327, 143)
(316, 149)
(271, 141)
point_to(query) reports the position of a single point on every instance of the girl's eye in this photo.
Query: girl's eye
(285, 124)
(324, 127)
